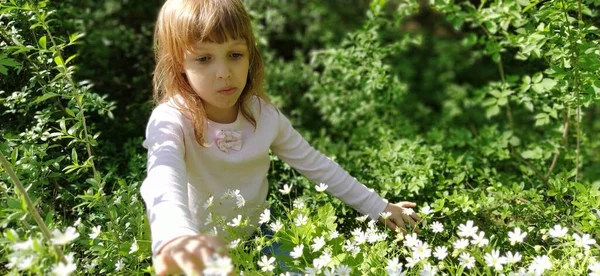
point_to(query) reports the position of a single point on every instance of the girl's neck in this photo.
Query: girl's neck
(221, 116)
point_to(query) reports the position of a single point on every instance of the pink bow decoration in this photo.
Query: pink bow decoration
(229, 139)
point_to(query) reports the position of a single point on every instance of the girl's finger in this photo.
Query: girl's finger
(407, 204)
(187, 262)
(164, 265)
(416, 217)
(391, 225)
(399, 223)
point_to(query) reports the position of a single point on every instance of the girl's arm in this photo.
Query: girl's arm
(295, 150)
(165, 189)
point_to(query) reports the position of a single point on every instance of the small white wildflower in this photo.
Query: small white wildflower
(209, 202)
(119, 265)
(583, 241)
(385, 215)
(480, 240)
(217, 266)
(276, 226)
(467, 260)
(461, 244)
(343, 270)
(62, 269)
(428, 270)
(321, 187)
(77, 222)
(494, 260)
(26, 245)
(95, 232)
(300, 220)
(394, 267)
(333, 234)
(298, 251)
(513, 258)
(322, 261)
(286, 189)
(362, 218)
(426, 210)
(266, 263)
(309, 271)
(235, 222)
(467, 230)
(440, 252)
(437, 227)
(421, 251)
(540, 264)
(240, 201)
(298, 203)
(60, 238)
(594, 269)
(234, 244)
(209, 219)
(558, 231)
(411, 240)
(408, 211)
(319, 242)
(265, 216)
(516, 236)
(134, 246)
(25, 263)
(118, 200)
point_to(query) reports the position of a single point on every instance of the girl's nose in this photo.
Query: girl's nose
(223, 71)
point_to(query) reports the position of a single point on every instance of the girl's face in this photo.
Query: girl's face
(218, 74)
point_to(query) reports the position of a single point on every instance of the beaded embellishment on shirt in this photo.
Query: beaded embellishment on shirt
(229, 139)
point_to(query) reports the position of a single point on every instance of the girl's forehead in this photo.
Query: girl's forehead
(228, 43)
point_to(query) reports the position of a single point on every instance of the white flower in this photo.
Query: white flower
(218, 266)
(208, 219)
(408, 211)
(583, 241)
(329, 272)
(232, 193)
(300, 220)
(240, 201)
(394, 267)
(480, 240)
(428, 270)
(276, 226)
(60, 238)
(266, 263)
(322, 261)
(461, 244)
(298, 203)
(25, 263)
(319, 243)
(540, 264)
(118, 200)
(333, 234)
(119, 265)
(235, 222)
(595, 269)
(265, 216)
(134, 246)
(309, 271)
(362, 218)
(411, 240)
(494, 260)
(298, 251)
(426, 210)
(467, 230)
(62, 269)
(95, 232)
(26, 245)
(343, 270)
(513, 258)
(385, 215)
(516, 236)
(208, 203)
(440, 252)
(234, 244)
(467, 260)
(421, 251)
(558, 231)
(321, 187)
(286, 189)
(77, 222)
(437, 227)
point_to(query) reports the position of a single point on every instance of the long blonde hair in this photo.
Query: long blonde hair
(183, 23)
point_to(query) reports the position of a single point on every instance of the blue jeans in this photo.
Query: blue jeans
(275, 249)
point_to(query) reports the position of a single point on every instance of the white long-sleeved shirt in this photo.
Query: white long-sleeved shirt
(183, 175)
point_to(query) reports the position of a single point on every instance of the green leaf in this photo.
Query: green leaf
(492, 111)
(523, 2)
(59, 61)
(74, 37)
(538, 87)
(537, 78)
(74, 156)
(45, 97)
(70, 112)
(70, 58)
(42, 42)
(548, 83)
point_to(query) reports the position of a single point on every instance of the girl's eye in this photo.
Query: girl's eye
(237, 55)
(203, 59)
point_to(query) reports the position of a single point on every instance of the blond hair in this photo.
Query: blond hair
(183, 23)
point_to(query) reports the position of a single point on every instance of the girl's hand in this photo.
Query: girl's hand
(401, 214)
(187, 254)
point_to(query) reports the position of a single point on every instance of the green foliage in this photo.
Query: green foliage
(480, 110)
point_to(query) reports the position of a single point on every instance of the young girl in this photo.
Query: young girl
(211, 133)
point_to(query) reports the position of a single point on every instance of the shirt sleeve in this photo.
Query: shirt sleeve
(165, 190)
(293, 149)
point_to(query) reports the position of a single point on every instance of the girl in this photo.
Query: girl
(211, 133)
